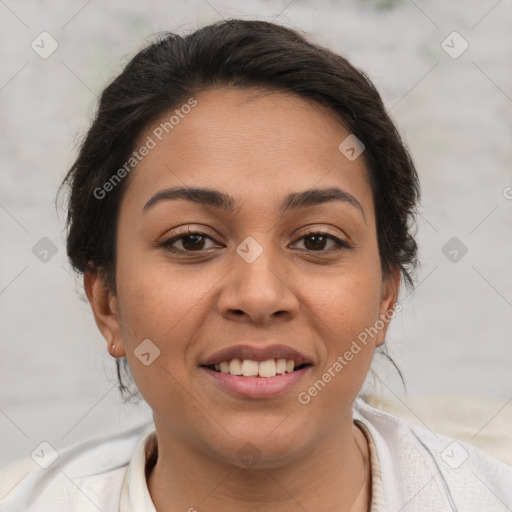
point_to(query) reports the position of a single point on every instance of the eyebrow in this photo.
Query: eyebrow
(223, 201)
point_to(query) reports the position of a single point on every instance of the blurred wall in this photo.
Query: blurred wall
(444, 72)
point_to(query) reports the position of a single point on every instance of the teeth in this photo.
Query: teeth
(235, 367)
(250, 368)
(267, 368)
(280, 365)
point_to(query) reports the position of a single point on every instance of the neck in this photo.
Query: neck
(333, 477)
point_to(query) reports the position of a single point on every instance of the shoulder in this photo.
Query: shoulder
(422, 470)
(82, 477)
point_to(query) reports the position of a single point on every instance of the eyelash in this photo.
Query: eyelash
(339, 244)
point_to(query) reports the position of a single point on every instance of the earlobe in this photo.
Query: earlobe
(105, 309)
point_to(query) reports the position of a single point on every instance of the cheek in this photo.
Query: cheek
(158, 300)
(346, 314)
(346, 303)
(158, 310)
(349, 347)
(168, 307)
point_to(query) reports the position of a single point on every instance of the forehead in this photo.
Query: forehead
(250, 143)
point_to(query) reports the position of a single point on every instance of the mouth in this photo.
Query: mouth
(256, 372)
(251, 368)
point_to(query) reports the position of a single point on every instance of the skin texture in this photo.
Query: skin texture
(257, 147)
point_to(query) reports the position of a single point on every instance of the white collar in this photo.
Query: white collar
(135, 496)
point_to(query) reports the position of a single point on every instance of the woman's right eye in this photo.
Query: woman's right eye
(190, 242)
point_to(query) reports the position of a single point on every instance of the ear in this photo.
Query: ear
(105, 308)
(389, 296)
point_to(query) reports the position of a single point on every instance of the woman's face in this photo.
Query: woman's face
(267, 269)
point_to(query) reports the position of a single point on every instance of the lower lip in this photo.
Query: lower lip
(257, 387)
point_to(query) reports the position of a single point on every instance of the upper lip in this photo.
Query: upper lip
(257, 354)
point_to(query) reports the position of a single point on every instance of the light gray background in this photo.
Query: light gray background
(454, 333)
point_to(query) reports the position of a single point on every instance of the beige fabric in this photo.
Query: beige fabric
(483, 422)
(378, 503)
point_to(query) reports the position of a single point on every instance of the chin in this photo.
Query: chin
(257, 449)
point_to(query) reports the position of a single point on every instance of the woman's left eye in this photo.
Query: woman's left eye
(317, 241)
(196, 242)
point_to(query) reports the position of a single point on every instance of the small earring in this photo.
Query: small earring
(113, 351)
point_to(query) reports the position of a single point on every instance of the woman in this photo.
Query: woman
(240, 210)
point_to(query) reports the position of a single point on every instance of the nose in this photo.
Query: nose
(258, 291)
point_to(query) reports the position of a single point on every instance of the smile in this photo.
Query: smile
(251, 368)
(255, 386)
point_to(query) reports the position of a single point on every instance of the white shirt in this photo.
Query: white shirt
(413, 470)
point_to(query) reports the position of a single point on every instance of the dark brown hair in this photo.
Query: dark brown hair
(239, 54)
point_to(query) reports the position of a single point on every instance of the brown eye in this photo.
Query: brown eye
(318, 242)
(315, 242)
(193, 242)
(189, 242)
